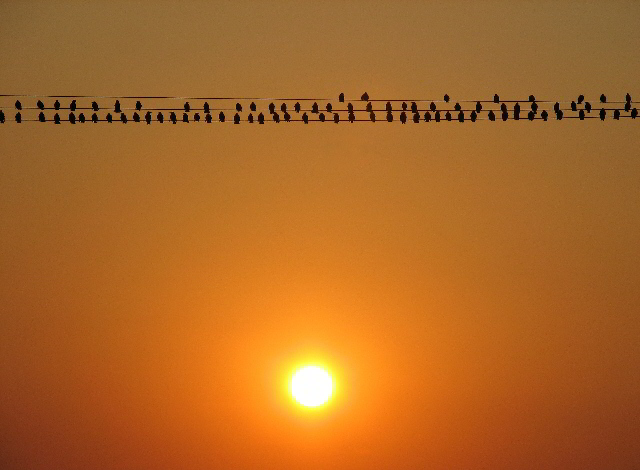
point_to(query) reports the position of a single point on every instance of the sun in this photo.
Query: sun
(311, 386)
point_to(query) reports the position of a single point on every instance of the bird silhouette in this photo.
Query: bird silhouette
(123, 118)
(2, 118)
(173, 117)
(187, 107)
(503, 107)
(574, 107)
(260, 118)
(40, 104)
(56, 118)
(461, 116)
(516, 111)
(427, 116)
(329, 107)
(276, 117)
(314, 108)
(496, 98)
(414, 107)
(109, 118)
(556, 107)
(627, 106)
(72, 106)
(147, 117)
(634, 113)
(207, 110)
(446, 98)
(372, 116)
(321, 117)
(492, 115)
(72, 118)
(581, 114)
(208, 119)
(457, 107)
(403, 117)
(505, 115)
(196, 117)
(236, 119)
(94, 118)
(603, 114)
(389, 116)
(580, 99)
(272, 108)
(297, 107)
(389, 108)
(250, 118)
(532, 98)
(305, 118)
(534, 107)
(56, 105)
(628, 98)
(432, 107)
(287, 116)
(238, 107)
(364, 97)
(185, 118)
(352, 117)
(448, 116)
(416, 117)
(18, 105)
(283, 107)
(341, 98)
(616, 114)
(136, 117)
(41, 117)
(95, 106)
(350, 107)
(603, 98)
(437, 116)
(474, 116)
(160, 118)
(252, 107)
(81, 118)
(544, 115)
(336, 118)
(478, 107)
(369, 107)
(404, 106)
(587, 106)
(531, 115)
(559, 115)
(138, 106)
(116, 108)
(221, 116)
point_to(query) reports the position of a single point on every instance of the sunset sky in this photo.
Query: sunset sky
(474, 290)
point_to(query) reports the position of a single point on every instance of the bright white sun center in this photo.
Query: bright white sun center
(311, 386)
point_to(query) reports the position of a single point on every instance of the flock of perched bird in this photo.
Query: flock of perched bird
(404, 111)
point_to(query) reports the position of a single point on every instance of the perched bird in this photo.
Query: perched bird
(603, 114)
(236, 119)
(2, 117)
(187, 107)
(427, 116)
(56, 105)
(252, 106)
(81, 118)
(532, 98)
(516, 111)
(250, 118)
(18, 105)
(276, 117)
(416, 118)
(446, 98)
(352, 117)
(474, 116)
(556, 107)
(287, 116)
(544, 115)
(196, 117)
(336, 118)
(95, 106)
(56, 118)
(492, 115)
(573, 106)
(297, 107)
(147, 117)
(160, 118)
(461, 116)
(616, 114)
(478, 107)
(305, 118)
(581, 114)
(559, 115)
(207, 110)
(208, 119)
(40, 104)
(350, 107)
(389, 108)
(260, 118)
(403, 117)
(534, 107)
(341, 98)
(173, 117)
(414, 107)
(496, 98)
(272, 108)
(580, 99)
(116, 108)
(123, 118)
(628, 98)
(72, 106)
(372, 116)
(329, 107)
(603, 98)
(531, 115)
(138, 106)
(221, 116)
(185, 118)
(109, 118)
(72, 118)
(634, 113)
(448, 116)
(627, 106)
(404, 106)
(364, 97)
(136, 117)
(457, 107)
(432, 107)
(389, 116)
(587, 106)
(437, 117)
(369, 107)
(94, 118)
(41, 117)
(283, 107)
(503, 107)
(314, 108)
(238, 107)
(321, 117)
(505, 115)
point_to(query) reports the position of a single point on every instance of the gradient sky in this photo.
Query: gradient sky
(474, 289)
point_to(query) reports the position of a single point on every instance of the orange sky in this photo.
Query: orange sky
(473, 288)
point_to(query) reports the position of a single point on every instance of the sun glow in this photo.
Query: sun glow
(311, 386)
